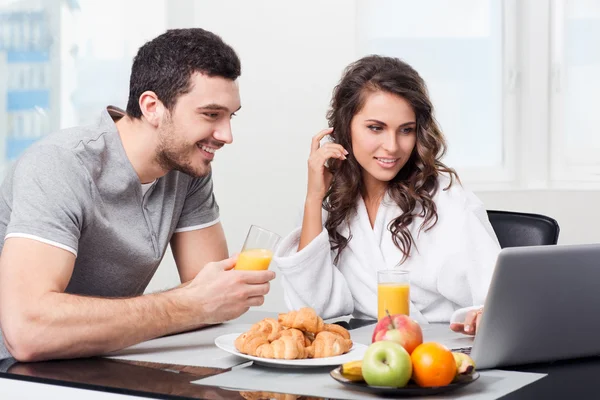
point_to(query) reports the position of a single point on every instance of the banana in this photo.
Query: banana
(464, 364)
(352, 371)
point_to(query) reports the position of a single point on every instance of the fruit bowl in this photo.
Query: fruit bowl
(411, 389)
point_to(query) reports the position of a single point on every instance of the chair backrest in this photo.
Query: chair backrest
(515, 229)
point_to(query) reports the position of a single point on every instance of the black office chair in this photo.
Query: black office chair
(515, 229)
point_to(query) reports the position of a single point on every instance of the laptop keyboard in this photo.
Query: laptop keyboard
(464, 350)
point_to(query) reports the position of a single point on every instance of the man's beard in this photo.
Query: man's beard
(176, 156)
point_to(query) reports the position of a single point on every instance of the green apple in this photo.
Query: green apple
(386, 363)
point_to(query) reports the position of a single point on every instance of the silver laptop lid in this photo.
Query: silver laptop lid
(543, 305)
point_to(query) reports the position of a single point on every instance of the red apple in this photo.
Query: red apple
(400, 329)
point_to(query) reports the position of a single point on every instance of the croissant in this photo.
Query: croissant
(248, 342)
(297, 334)
(286, 347)
(337, 329)
(269, 326)
(294, 335)
(328, 344)
(305, 319)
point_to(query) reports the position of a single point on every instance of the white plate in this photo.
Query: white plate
(226, 342)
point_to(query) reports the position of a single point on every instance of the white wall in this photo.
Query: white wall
(292, 55)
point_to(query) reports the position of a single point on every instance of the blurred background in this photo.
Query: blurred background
(515, 85)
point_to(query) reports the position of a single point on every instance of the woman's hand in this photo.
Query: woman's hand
(470, 324)
(319, 177)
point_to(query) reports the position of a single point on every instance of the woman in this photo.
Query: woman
(379, 197)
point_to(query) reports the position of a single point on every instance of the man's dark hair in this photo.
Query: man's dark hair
(165, 64)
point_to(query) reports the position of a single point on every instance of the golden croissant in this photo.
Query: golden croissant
(305, 319)
(328, 344)
(295, 335)
(337, 329)
(304, 338)
(269, 326)
(248, 342)
(286, 347)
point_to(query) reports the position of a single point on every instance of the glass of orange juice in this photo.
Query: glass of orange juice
(393, 292)
(258, 249)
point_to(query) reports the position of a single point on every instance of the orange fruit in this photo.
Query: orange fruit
(433, 365)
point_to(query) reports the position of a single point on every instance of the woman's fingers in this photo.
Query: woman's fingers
(315, 144)
(478, 320)
(335, 146)
(457, 327)
(471, 321)
(318, 159)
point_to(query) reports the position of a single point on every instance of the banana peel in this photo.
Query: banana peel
(464, 364)
(352, 371)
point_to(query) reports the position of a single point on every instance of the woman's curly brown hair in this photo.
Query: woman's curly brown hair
(415, 185)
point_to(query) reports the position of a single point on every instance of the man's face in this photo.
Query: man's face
(198, 126)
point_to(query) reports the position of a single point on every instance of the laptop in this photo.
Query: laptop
(543, 305)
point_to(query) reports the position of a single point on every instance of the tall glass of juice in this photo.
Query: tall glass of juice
(258, 249)
(393, 292)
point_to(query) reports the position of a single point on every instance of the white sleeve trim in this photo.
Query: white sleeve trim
(40, 239)
(196, 227)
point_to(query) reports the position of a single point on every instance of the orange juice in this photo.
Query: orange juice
(254, 260)
(394, 297)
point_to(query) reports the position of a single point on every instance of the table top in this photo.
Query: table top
(124, 378)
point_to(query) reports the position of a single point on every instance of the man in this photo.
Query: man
(86, 214)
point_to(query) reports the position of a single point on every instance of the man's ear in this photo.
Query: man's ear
(152, 108)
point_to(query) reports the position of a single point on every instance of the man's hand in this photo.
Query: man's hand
(470, 324)
(218, 293)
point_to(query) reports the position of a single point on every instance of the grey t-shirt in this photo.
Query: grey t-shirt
(77, 190)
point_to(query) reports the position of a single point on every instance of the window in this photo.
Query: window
(26, 84)
(104, 56)
(465, 53)
(514, 83)
(574, 93)
(63, 65)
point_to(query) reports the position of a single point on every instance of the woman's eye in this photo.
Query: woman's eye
(407, 131)
(374, 128)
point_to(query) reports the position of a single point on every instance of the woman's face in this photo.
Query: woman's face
(383, 135)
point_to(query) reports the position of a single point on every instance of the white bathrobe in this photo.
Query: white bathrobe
(450, 265)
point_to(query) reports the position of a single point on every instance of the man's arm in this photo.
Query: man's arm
(39, 321)
(194, 249)
(33, 277)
